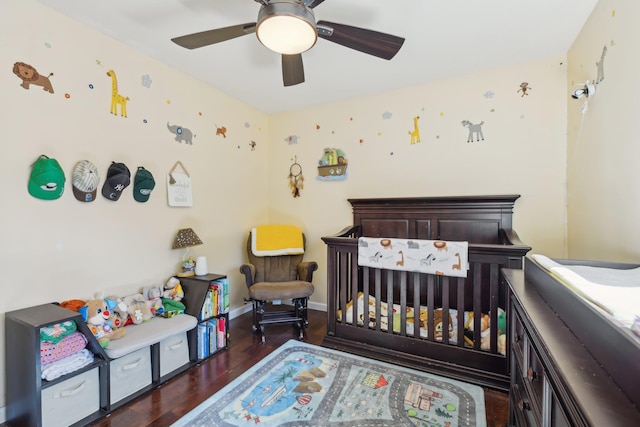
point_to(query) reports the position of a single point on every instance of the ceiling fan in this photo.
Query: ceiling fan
(289, 27)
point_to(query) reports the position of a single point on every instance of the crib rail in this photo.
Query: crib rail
(481, 293)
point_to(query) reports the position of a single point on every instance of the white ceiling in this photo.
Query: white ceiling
(444, 38)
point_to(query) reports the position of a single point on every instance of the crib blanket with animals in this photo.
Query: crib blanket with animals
(440, 257)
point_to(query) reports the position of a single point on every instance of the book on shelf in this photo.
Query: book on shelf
(203, 341)
(216, 301)
(212, 330)
(225, 293)
(221, 299)
(209, 308)
(222, 333)
(215, 296)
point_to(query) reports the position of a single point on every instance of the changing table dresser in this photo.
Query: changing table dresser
(555, 381)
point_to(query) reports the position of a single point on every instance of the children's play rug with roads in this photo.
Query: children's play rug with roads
(305, 385)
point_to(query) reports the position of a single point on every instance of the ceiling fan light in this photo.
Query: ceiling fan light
(286, 27)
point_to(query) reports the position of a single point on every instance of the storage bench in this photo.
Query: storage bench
(146, 355)
(149, 333)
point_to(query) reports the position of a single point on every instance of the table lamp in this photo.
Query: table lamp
(186, 238)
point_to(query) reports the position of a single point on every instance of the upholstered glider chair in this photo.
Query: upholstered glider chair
(275, 273)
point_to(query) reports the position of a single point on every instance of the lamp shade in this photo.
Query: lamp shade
(287, 27)
(185, 238)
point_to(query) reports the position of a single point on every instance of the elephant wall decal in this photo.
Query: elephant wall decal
(181, 133)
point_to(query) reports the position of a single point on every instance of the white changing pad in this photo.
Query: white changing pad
(616, 291)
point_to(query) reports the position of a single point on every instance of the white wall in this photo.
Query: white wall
(603, 149)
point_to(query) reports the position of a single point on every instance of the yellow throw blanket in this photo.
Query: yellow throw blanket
(270, 240)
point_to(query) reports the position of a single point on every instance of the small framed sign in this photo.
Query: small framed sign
(179, 191)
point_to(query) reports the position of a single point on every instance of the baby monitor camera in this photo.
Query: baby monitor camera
(588, 90)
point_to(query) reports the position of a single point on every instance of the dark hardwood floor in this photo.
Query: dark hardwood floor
(169, 402)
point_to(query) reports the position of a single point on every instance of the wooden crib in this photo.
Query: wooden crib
(412, 337)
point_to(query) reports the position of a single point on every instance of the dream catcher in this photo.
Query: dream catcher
(296, 180)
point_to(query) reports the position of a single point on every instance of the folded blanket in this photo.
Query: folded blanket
(270, 240)
(55, 333)
(53, 370)
(70, 344)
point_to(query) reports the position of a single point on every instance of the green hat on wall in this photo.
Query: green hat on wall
(143, 183)
(47, 179)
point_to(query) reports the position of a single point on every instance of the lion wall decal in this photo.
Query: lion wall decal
(30, 76)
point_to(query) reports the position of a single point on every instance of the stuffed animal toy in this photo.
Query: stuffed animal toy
(173, 290)
(153, 295)
(97, 313)
(138, 308)
(502, 344)
(502, 323)
(172, 308)
(440, 324)
(119, 313)
(484, 329)
(424, 317)
(73, 304)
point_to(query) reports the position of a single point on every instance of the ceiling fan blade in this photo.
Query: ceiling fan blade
(292, 69)
(206, 38)
(314, 3)
(371, 42)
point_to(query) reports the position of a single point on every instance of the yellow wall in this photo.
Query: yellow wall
(603, 149)
(56, 250)
(62, 249)
(523, 151)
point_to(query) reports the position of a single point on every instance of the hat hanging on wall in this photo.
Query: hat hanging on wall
(85, 181)
(118, 178)
(47, 179)
(143, 184)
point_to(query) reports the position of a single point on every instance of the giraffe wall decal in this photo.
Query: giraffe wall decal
(116, 98)
(415, 134)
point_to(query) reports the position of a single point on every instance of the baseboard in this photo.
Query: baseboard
(247, 307)
(317, 306)
(236, 312)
